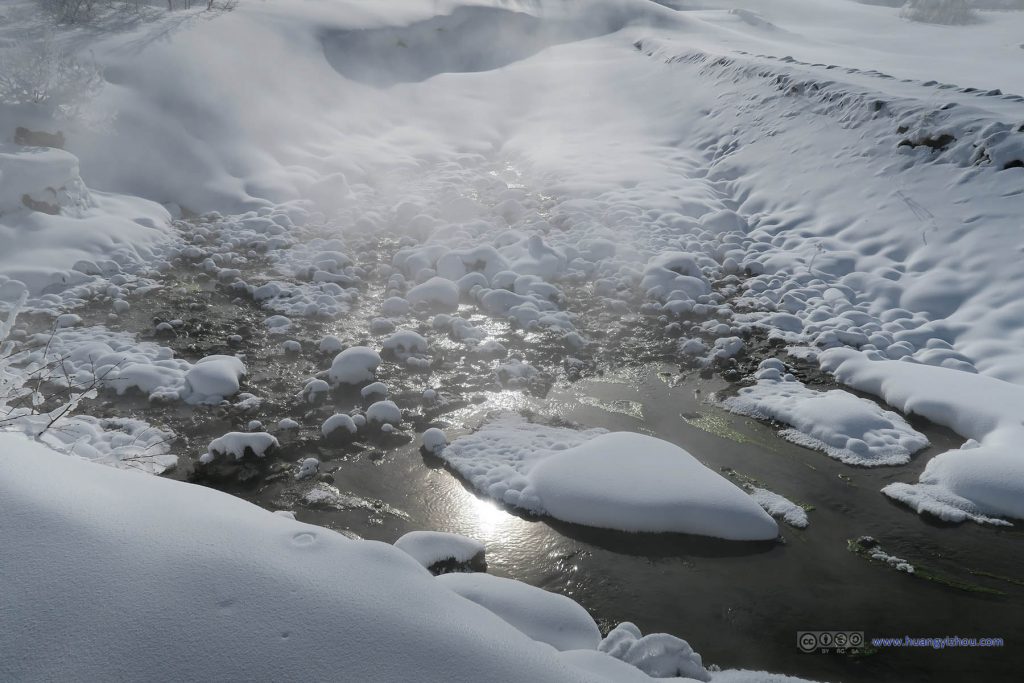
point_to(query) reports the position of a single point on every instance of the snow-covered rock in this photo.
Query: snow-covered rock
(237, 444)
(331, 344)
(436, 293)
(315, 390)
(431, 547)
(374, 389)
(620, 480)
(434, 440)
(339, 424)
(384, 413)
(674, 275)
(354, 365)
(307, 468)
(405, 344)
(214, 377)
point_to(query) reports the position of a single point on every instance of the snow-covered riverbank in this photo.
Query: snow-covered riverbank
(501, 191)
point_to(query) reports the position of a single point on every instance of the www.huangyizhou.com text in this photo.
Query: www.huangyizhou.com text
(937, 643)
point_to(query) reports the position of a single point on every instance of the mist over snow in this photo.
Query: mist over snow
(248, 247)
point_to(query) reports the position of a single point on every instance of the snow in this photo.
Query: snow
(545, 617)
(431, 547)
(331, 344)
(355, 365)
(384, 413)
(621, 480)
(375, 389)
(981, 481)
(214, 377)
(237, 444)
(437, 293)
(339, 422)
(71, 224)
(434, 440)
(222, 575)
(118, 361)
(315, 390)
(406, 344)
(308, 468)
(659, 655)
(850, 429)
(674, 275)
(781, 507)
(122, 442)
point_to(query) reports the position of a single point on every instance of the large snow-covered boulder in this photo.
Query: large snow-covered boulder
(432, 547)
(41, 179)
(404, 344)
(983, 480)
(620, 480)
(436, 293)
(355, 365)
(658, 654)
(237, 444)
(214, 377)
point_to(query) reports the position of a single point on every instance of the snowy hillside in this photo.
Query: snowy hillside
(253, 245)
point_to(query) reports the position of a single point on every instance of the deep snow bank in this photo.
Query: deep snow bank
(133, 577)
(850, 429)
(984, 479)
(214, 127)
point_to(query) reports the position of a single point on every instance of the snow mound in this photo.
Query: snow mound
(222, 575)
(780, 506)
(674, 275)
(237, 444)
(406, 344)
(976, 482)
(121, 442)
(430, 547)
(659, 655)
(434, 440)
(354, 365)
(384, 413)
(307, 468)
(622, 481)
(436, 293)
(339, 423)
(543, 616)
(850, 429)
(214, 377)
(982, 480)
(50, 221)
